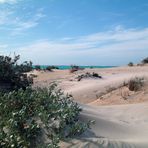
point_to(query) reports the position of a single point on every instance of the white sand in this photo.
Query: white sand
(116, 126)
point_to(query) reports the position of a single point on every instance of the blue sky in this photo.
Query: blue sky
(82, 32)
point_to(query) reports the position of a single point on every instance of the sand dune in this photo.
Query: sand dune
(124, 125)
(89, 90)
(118, 126)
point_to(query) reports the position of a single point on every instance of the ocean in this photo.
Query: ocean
(63, 67)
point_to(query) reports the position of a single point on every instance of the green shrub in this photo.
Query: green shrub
(37, 67)
(50, 68)
(75, 68)
(96, 75)
(88, 75)
(12, 75)
(24, 113)
(130, 64)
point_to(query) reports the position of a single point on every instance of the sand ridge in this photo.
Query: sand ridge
(119, 123)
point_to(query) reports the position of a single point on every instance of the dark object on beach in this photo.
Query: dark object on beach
(96, 75)
(88, 75)
(75, 68)
(49, 68)
(37, 67)
(130, 64)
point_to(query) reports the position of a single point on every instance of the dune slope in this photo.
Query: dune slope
(116, 126)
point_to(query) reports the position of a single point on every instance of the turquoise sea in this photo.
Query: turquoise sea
(62, 67)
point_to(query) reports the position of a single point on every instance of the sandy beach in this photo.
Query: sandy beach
(120, 114)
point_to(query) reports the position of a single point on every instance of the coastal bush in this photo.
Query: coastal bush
(26, 114)
(130, 64)
(12, 75)
(88, 75)
(75, 68)
(50, 68)
(37, 67)
(96, 75)
(135, 84)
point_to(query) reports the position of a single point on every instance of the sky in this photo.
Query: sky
(81, 32)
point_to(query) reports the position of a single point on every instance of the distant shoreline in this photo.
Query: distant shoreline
(64, 67)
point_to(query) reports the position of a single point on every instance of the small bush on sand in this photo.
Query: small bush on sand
(75, 68)
(96, 75)
(135, 84)
(50, 68)
(12, 75)
(130, 64)
(37, 67)
(88, 75)
(25, 115)
(53, 67)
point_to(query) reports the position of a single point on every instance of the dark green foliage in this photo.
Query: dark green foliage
(130, 64)
(25, 66)
(75, 68)
(12, 75)
(145, 61)
(37, 67)
(50, 68)
(96, 75)
(24, 112)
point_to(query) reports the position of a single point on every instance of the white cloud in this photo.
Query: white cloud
(18, 25)
(118, 34)
(119, 44)
(8, 1)
(114, 47)
(23, 25)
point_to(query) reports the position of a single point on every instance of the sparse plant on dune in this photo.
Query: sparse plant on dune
(37, 67)
(75, 68)
(50, 68)
(88, 75)
(135, 84)
(130, 64)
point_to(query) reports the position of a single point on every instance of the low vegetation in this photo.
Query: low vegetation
(135, 84)
(130, 64)
(75, 68)
(50, 68)
(24, 112)
(12, 75)
(37, 67)
(88, 75)
(29, 115)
